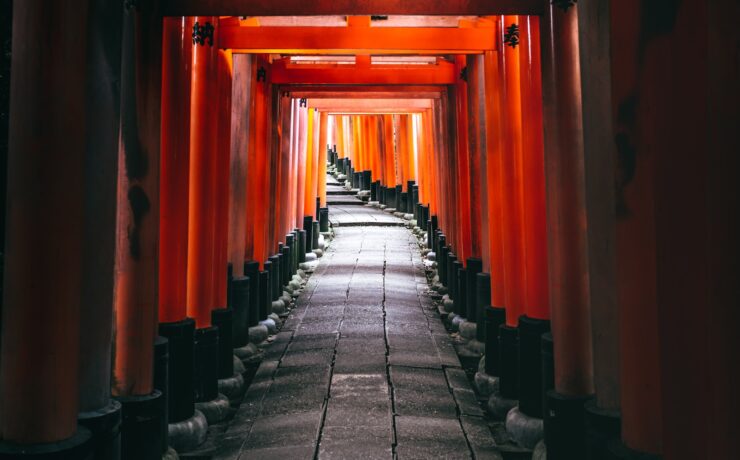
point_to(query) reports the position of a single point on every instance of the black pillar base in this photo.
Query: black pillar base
(252, 271)
(324, 219)
(240, 306)
(315, 233)
(79, 446)
(483, 301)
(287, 261)
(105, 427)
(161, 381)
(474, 265)
(452, 275)
(530, 364)
(495, 318)
(265, 306)
(301, 246)
(602, 427)
(565, 426)
(141, 428)
(222, 318)
(180, 368)
(442, 260)
(508, 361)
(308, 228)
(205, 366)
(274, 269)
(461, 293)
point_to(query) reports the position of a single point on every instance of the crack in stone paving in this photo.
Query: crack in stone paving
(362, 367)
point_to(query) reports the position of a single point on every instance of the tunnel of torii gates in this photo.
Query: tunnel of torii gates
(166, 177)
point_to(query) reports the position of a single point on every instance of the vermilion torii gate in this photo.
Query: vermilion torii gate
(574, 170)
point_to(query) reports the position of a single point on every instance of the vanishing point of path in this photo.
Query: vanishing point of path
(363, 367)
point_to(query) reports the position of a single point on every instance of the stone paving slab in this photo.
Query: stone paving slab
(363, 367)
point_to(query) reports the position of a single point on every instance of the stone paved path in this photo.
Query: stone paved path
(360, 215)
(363, 366)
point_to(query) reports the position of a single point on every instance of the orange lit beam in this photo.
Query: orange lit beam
(363, 92)
(353, 40)
(441, 73)
(344, 7)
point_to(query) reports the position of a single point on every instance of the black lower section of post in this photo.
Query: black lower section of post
(461, 301)
(287, 267)
(161, 381)
(616, 450)
(265, 293)
(205, 365)
(240, 301)
(404, 202)
(274, 269)
(315, 233)
(433, 226)
(105, 427)
(229, 280)
(141, 426)
(308, 228)
(474, 265)
(301, 246)
(78, 447)
(530, 364)
(548, 367)
(508, 361)
(324, 219)
(399, 191)
(452, 267)
(180, 369)
(222, 318)
(482, 301)
(367, 178)
(565, 427)
(252, 271)
(442, 260)
(602, 428)
(495, 318)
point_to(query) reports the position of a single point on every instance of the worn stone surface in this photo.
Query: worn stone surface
(363, 366)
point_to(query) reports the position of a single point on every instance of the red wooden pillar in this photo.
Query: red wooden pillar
(241, 99)
(462, 179)
(324, 128)
(45, 193)
(537, 298)
(203, 145)
(303, 145)
(174, 168)
(494, 173)
(512, 170)
(567, 242)
(220, 178)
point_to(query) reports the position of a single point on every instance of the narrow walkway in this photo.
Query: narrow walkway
(363, 366)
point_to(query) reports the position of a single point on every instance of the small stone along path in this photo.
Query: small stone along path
(363, 367)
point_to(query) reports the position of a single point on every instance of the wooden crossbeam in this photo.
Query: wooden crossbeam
(349, 7)
(441, 73)
(357, 40)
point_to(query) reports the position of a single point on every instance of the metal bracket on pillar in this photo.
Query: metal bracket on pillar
(303, 102)
(511, 36)
(564, 4)
(261, 74)
(201, 33)
(464, 74)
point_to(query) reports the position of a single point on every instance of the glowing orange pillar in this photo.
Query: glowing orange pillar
(537, 299)
(203, 145)
(512, 183)
(308, 197)
(302, 114)
(324, 127)
(464, 248)
(494, 173)
(137, 266)
(174, 167)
